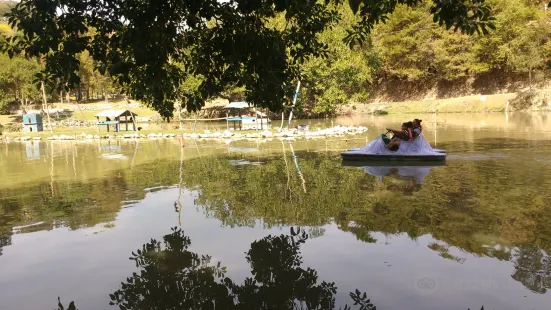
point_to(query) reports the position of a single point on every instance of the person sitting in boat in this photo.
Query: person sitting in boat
(405, 134)
(417, 128)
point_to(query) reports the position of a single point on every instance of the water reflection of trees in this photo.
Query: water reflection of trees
(533, 268)
(5, 239)
(73, 205)
(172, 277)
(462, 206)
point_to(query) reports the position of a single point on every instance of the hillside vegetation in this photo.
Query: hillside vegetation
(410, 58)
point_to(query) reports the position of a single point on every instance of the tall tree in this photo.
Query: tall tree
(512, 17)
(530, 50)
(17, 77)
(343, 75)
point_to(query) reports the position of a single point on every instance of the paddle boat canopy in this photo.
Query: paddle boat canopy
(416, 150)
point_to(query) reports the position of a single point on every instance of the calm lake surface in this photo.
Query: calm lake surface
(174, 224)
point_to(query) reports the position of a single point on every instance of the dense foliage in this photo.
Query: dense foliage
(151, 47)
(19, 88)
(411, 53)
(16, 83)
(334, 69)
(92, 83)
(16, 74)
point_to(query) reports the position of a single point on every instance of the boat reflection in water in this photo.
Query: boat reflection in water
(411, 174)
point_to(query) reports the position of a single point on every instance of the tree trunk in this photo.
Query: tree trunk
(530, 78)
(105, 97)
(15, 93)
(530, 84)
(46, 105)
(24, 101)
(180, 114)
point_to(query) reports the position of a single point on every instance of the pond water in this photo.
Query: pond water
(174, 224)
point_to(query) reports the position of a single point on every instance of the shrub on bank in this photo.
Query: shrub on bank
(380, 112)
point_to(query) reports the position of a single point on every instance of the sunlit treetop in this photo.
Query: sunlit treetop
(150, 47)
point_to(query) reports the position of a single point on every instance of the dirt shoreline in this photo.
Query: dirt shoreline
(468, 104)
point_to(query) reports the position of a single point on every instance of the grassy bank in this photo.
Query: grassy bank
(469, 104)
(83, 115)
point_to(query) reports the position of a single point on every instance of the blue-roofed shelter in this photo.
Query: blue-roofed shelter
(32, 123)
(114, 118)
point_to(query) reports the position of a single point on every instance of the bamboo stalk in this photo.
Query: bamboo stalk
(293, 106)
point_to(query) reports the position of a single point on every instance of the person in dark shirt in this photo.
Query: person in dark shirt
(405, 134)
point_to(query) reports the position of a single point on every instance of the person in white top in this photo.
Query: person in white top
(417, 128)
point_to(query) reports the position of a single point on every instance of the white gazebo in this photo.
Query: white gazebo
(255, 120)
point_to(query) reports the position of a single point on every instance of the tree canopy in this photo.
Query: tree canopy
(16, 81)
(151, 47)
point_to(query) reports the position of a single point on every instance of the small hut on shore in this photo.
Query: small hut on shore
(116, 118)
(32, 123)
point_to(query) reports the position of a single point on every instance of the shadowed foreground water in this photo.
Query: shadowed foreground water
(277, 225)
